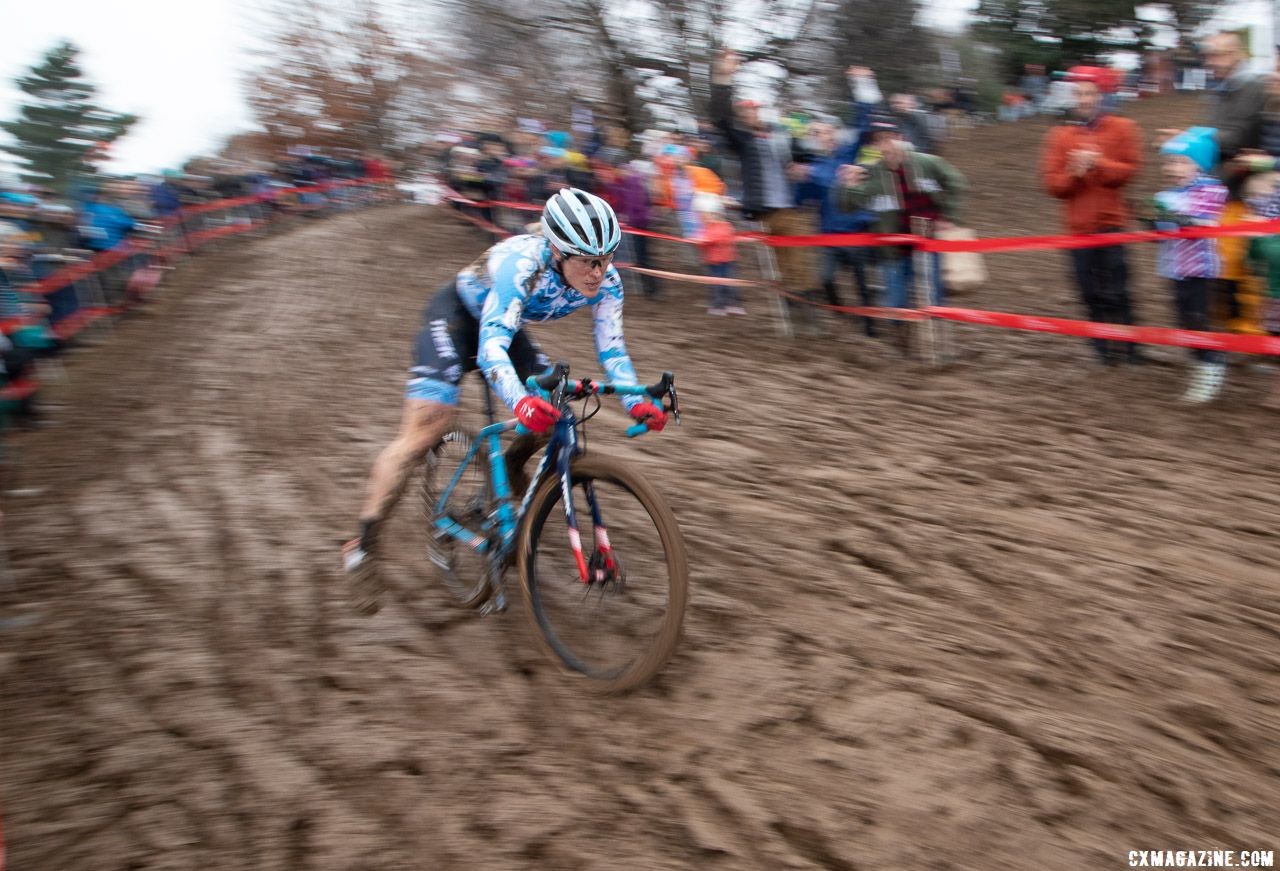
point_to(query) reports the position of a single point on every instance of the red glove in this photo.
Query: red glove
(536, 414)
(650, 415)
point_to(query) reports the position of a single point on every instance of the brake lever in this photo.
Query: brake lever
(674, 410)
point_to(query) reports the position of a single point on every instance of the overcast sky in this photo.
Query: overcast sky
(177, 67)
(177, 63)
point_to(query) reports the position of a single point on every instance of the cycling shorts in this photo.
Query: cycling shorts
(445, 350)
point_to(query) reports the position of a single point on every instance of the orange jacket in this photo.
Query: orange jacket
(1095, 201)
(1232, 250)
(717, 241)
(704, 180)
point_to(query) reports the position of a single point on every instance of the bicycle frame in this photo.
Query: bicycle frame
(563, 446)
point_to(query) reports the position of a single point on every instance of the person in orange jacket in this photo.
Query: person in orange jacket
(719, 252)
(1087, 163)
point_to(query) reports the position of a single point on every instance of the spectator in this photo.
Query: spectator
(1262, 196)
(768, 171)
(492, 171)
(1061, 99)
(1194, 199)
(634, 211)
(706, 155)
(378, 171)
(17, 210)
(1088, 165)
(682, 190)
(55, 228)
(614, 150)
(15, 273)
(1241, 296)
(823, 172)
(684, 185)
(966, 97)
(1239, 100)
(550, 176)
(700, 180)
(902, 186)
(518, 172)
(103, 225)
(578, 172)
(1240, 96)
(719, 253)
(14, 269)
(1269, 123)
(165, 195)
(1035, 84)
(912, 121)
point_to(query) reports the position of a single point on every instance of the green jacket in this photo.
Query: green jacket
(932, 175)
(1264, 257)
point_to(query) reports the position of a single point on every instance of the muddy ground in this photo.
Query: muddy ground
(1022, 613)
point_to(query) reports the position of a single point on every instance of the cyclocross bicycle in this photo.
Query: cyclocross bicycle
(608, 601)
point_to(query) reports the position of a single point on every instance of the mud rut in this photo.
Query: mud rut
(1019, 614)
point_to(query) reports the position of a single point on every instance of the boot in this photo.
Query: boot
(1206, 383)
(1103, 349)
(831, 294)
(361, 569)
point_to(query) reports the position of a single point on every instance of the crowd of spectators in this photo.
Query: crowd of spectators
(1219, 174)
(877, 168)
(779, 173)
(873, 166)
(43, 232)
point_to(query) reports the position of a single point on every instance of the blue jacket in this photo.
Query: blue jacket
(820, 187)
(164, 198)
(104, 225)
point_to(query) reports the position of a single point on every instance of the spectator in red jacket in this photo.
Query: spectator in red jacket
(1087, 163)
(719, 252)
(378, 171)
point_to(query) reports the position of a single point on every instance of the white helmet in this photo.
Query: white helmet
(576, 222)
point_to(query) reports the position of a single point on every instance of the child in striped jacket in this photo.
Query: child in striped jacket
(1194, 199)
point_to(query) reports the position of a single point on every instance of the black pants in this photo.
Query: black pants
(856, 259)
(1102, 276)
(1227, 295)
(640, 246)
(1191, 296)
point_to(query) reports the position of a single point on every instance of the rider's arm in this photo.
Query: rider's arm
(611, 349)
(499, 322)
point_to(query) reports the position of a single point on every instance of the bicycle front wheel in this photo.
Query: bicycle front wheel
(621, 627)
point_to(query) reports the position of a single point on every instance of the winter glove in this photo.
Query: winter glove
(536, 415)
(650, 415)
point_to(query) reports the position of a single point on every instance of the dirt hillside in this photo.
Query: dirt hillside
(1017, 614)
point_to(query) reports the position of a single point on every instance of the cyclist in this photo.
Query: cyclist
(477, 321)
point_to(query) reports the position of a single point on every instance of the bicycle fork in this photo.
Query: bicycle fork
(602, 566)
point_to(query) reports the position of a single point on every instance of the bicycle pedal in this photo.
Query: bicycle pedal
(496, 604)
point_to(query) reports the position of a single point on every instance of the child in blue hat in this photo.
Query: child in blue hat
(1194, 199)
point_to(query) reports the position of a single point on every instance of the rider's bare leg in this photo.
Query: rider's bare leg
(422, 427)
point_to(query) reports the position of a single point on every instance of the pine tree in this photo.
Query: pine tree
(59, 127)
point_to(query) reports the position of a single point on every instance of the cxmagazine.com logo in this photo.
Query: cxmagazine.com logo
(1201, 858)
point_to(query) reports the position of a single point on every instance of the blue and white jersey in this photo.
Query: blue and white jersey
(514, 283)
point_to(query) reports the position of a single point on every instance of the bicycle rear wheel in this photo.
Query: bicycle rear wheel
(619, 631)
(463, 570)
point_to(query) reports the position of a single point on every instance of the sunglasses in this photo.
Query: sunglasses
(592, 262)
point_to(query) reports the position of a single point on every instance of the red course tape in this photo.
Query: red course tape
(1241, 344)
